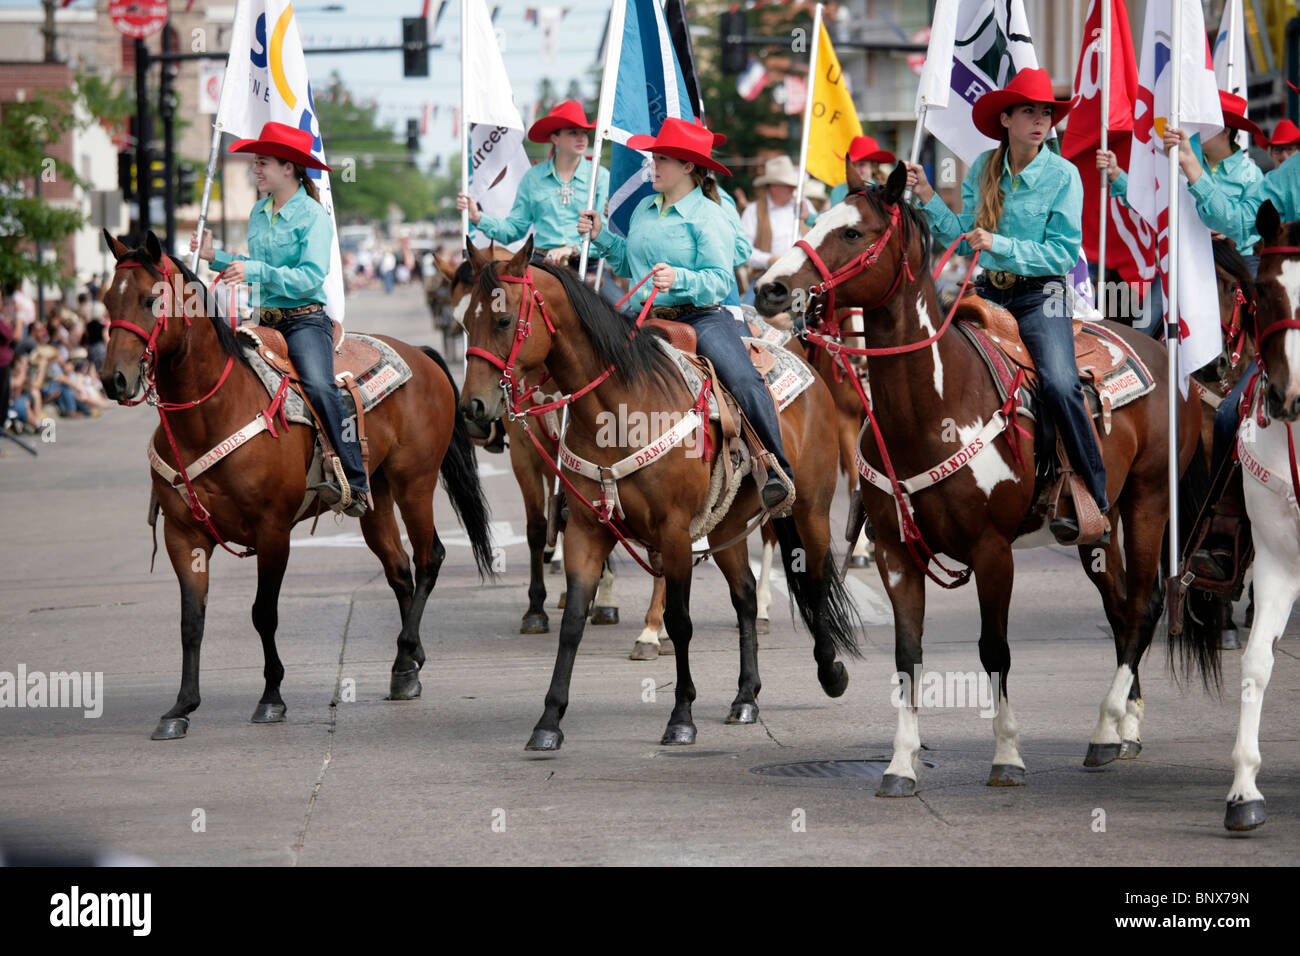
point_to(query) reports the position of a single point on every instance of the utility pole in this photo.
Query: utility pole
(48, 30)
(167, 110)
(143, 135)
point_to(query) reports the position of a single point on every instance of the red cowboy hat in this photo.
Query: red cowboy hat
(684, 140)
(1234, 114)
(565, 116)
(1285, 133)
(289, 143)
(718, 138)
(1027, 86)
(864, 148)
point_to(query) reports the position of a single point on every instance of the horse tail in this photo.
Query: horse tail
(1194, 650)
(460, 477)
(833, 611)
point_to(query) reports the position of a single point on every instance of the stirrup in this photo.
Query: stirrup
(777, 494)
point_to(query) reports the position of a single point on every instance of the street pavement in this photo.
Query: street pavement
(445, 779)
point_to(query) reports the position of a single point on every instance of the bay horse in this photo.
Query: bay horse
(1271, 482)
(873, 251)
(521, 317)
(250, 498)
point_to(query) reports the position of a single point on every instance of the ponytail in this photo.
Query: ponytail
(989, 209)
(705, 183)
(300, 171)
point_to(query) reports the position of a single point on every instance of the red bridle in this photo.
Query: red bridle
(1261, 377)
(855, 266)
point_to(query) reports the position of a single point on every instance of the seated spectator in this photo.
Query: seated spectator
(25, 410)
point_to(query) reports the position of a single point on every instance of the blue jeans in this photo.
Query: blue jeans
(65, 398)
(1226, 420)
(310, 340)
(717, 337)
(1044, 319)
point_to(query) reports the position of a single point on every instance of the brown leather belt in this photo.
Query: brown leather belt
(674, 313)
(273, 316)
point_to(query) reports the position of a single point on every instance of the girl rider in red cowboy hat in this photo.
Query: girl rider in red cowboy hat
(290, 238)
(687, 242)
(1023, 210)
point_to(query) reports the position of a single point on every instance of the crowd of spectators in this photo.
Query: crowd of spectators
(49, 365)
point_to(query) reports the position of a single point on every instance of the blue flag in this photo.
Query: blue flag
(650, 89)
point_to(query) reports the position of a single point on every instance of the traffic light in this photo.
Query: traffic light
(187, 178)
(126, 173)
(731, 30)
(415, 59)
(412, 141)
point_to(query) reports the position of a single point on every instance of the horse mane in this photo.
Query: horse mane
(1228, 258)
(635, 357)
(914, 221)
(212, 305)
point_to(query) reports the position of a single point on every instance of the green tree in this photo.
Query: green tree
(28, 132)
(371, 170)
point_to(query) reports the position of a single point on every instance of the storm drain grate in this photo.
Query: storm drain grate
(827, 769)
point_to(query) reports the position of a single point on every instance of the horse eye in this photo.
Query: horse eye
(504, 322)
(852, 235)
(148, 302)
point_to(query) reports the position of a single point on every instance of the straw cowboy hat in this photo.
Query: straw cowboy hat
(1234, 114)
(779, 169)
(1285, 133)
(681, 139)
(289, 143)
(865, 148)
(567, 115)
(1027, 86)
(813, 189)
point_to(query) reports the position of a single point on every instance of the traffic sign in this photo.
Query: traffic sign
(138, 18)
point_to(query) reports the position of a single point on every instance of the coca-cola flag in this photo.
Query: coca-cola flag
(1130, 242)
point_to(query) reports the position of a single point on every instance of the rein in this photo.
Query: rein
(149, 364)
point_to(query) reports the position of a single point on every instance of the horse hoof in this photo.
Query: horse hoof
(666, 647)
(563, 600)
(545, 740)
(678, 735)
(405, 685)
(858, 561)
(1101, 754)
(548, 557)
(838, 681)
(745, 713)
(1246, 815)
(1130, 749)
(535, 624)
(1006, 775)
(171, 728)
(892, 785)
(762, 626)
(604, 615)
(268, 713)
(644, 651)
(1229, 641)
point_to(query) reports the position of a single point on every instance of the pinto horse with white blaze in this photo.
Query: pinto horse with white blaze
(522, 317)
(1271, 481)
(872, 251)
(169, 346)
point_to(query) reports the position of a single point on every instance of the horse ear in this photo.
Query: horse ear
(896, 185)
(153, 247)
(518, 263)
(1267, 222)
(446, 268)
(477, 260)
(115, 247)
(855, 182)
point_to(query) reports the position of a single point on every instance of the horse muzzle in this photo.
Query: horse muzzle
(118, 385)
(479, 415)
(1283, 404)
(771, 298)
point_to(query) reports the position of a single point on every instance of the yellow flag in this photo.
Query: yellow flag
(834, 117)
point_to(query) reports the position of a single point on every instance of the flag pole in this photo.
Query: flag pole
(213, 153)
(1171, 298)
(1105, 146)
(807, 110)
(604, 116)
(916, 146)
(464, 120)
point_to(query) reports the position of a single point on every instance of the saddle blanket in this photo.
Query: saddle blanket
(787, 379)
(760, 328)
(1126, 384)
(374, 385)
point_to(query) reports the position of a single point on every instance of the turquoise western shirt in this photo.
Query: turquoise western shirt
(692, 235)
(539, 205)
(1230, 207)
(743, 248)
(289, 252)
(1041, 227)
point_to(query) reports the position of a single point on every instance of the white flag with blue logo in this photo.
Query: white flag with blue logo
(266, 81)
(650, 89)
